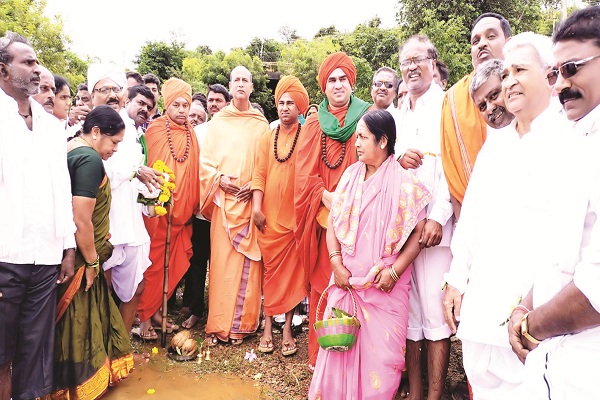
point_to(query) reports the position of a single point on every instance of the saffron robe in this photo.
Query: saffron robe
(463, 132)
(185, 204)
(285, 279)
(234, 290)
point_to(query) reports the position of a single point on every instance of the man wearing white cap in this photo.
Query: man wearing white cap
(130, 258)
(106, 83)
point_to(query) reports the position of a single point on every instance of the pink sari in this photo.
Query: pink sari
(372, 220)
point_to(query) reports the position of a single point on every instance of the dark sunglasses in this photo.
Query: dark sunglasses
(568, 69)
(387, 84)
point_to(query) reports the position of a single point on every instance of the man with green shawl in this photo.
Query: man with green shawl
(325, 150)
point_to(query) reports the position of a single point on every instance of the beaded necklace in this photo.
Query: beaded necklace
(187, 145)
(282, 160)
(324, 153)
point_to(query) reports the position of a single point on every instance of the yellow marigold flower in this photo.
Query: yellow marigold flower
(160, 211)
(163, 198)
(170, 185)
(165, 190)
(171, 176)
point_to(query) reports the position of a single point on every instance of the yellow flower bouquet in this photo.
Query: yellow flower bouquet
(154, 199)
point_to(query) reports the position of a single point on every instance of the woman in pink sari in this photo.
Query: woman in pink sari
(375, 223)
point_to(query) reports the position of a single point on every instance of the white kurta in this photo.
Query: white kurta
(419, 129)
(563, 365)
(35, 187)
(510, 194)
(126, 222)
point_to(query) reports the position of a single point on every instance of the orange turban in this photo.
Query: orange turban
(174, 88)
(334, 61)
(293, 86)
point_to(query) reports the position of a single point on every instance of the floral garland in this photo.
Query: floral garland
(160, 198)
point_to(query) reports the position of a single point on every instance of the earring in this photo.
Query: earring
(94, 137)
(382, 147)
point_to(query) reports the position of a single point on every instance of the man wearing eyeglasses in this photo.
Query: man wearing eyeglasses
(463, 129)
(383, 90)
(558, 339)
(418, 148)
(106, 83)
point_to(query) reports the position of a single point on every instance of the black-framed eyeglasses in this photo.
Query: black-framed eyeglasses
(107, 89)
(568, 69)
(387, 84)
(417, 61)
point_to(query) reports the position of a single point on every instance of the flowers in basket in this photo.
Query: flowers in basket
(156, 199)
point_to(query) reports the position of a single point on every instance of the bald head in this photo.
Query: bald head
(241, 86)
(47, 88)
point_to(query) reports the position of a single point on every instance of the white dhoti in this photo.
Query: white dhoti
(426, 312)
(494, 372)
(128, 264)
(564, 368)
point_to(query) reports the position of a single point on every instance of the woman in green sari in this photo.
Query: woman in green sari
(92, 349)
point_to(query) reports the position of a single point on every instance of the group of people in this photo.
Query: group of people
(425, 212)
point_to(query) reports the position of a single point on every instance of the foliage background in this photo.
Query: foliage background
(447, 23)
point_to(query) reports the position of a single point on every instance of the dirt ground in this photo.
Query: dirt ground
(278, 377)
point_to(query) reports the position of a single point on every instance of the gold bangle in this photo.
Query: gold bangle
(334, 253)
(525, 330)
(393, 273)
(94, 265)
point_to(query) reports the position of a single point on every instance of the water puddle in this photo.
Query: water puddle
(177, 384)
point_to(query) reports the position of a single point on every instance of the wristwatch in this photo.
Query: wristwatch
(525, 330)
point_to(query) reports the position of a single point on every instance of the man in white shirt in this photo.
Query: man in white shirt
(418, 148)
(559, 339)
(499, 240)
(130, 257)
(486, 92)
(384, 89)
(37, 236)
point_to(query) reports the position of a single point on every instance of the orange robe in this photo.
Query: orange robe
(463, 132)
(234, 289)
(285, 280)
(185, 200)
(312, 178)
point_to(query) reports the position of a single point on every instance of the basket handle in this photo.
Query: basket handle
(318, 311)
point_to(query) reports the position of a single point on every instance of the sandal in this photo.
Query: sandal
(170, 329)
(266, 348)
(311, 368)
(211, 340)
(236, 342)
(291, 348)
(190, 322)
(150, 335)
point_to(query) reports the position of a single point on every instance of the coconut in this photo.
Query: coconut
(189, 347)
(180, 338)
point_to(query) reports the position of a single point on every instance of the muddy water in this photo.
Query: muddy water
(176, 384)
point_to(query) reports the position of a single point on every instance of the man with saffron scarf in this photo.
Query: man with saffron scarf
(234, 288)
(171, 139)
(285, 280)
(463, 129)
(325, 150)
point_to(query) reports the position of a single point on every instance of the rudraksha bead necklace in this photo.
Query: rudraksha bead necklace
(188, 143)
(282, 160)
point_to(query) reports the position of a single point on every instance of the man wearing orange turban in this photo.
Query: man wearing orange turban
(325, 150)
(227, 162)
(171, 139)
(285, 280)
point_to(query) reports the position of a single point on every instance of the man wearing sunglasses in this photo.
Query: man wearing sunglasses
(463, 129)
(418, 148)
(558, 338)
(383, 90)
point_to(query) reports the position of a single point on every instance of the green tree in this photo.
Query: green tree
(329, 31)
(162, 59)
(303, 59)
(268, 50)
(379, 47)
(288, 34)
(26, 17)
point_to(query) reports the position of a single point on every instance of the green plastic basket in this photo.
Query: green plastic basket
(337, 334)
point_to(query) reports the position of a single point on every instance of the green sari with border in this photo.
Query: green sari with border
(92, 350)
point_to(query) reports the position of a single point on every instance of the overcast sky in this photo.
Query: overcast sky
(115, 30)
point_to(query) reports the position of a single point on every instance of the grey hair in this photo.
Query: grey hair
(542, 45)
(431, 50)
(484, 72)
(391, 71)
(5, 42)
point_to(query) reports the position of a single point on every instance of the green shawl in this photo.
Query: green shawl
(331, 126)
